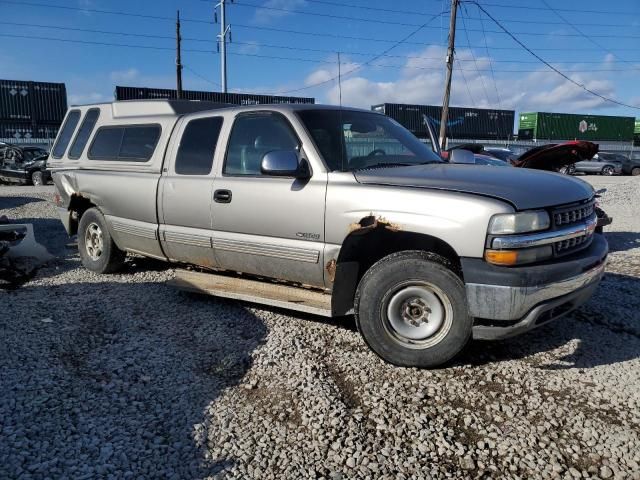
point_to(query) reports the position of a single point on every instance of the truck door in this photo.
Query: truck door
(266, 225)
(185, 192)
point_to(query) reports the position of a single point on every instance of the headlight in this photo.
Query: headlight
(519, 222)
(518, 257)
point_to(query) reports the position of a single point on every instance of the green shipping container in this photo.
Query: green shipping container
(568, 126)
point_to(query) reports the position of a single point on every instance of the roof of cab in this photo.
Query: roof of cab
(141, 108)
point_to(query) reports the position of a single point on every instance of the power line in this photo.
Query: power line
(256, 27)
(529, 7)
(370, 8)
(587, 37)
(466, 84)
(325, 15)
(407, 37)
(382, 40)
(268, 45)
(535, 34)
(464, 27)
(583, 87)
(486, 46)
(201, 76)
(107, 12)
(108, 44)
(293, 59)
(389, 22)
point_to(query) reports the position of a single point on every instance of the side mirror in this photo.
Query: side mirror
(283, 163)
(459, 155)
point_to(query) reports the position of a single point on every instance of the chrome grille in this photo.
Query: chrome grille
(567, 246)
(566, 216)
(575, 214)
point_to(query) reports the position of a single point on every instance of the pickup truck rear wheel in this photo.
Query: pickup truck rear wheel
(412, 311)
(98, 251)
(635, 171)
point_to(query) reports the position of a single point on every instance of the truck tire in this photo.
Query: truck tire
(412, 310)
(97, 250)
(635, 171)
(607, 170)
(37, 178)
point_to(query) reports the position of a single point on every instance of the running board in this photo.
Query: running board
(265, 293)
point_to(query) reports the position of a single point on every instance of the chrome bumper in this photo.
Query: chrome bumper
(497, 302)
(539, 315)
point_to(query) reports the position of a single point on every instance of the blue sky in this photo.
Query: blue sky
(597, 49)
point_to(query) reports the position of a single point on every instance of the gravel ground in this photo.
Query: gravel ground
(121, 376)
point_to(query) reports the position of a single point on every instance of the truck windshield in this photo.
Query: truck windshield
(352, 140)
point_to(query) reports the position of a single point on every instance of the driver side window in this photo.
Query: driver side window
(252, 137)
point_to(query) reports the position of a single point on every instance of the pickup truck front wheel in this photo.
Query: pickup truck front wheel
(412, 311)
(98, 251)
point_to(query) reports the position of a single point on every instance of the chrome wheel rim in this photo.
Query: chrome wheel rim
(418, 315)
(37, 180)
(93, 241)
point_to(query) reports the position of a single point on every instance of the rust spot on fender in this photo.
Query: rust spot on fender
(331, 269)
(372, 222)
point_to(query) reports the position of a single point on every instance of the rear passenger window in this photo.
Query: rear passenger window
(198, 146)
(134, 143)
(82, 137)
(64, 137)
(106, 144)
(138, 143)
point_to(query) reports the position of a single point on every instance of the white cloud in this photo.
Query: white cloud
(124, 76)
(86, 5)
(421, 81)
(90, 97)
(330, 70)
(251, 47)
(280, 7)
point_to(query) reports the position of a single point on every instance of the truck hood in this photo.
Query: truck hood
(524, 189)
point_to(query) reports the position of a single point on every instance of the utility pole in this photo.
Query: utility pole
(178, 59)
(225, 30)
(449, 60)
(339, 79)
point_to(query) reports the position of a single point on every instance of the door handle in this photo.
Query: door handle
(222, 196)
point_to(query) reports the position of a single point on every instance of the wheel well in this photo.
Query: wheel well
(372, 241)
(78, 205)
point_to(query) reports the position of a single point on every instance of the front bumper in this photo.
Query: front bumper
(509, 301)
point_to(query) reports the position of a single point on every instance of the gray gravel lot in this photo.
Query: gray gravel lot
(121, 376)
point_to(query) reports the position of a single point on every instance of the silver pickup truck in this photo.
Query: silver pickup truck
(331, 211)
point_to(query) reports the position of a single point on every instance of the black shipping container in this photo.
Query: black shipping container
(32, 102)
(142, 93)
(471, 123)
(20, 131)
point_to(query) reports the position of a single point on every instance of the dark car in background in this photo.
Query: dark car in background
(602, 163)
(24, 165)
(631, 164)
